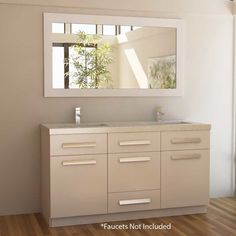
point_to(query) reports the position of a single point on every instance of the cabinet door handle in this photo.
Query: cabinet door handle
(134, 159)
(135, 143)
(185, 157)
(185, 140)
(78, 163)
(134, 201)
(79, 145)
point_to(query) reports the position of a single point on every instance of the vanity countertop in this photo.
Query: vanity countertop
(116, 127)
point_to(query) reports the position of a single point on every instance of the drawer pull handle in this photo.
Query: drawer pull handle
(79, 145)
(185, 157)
(185, 140)
(135, 159)
(134, 201)
(135, 143)
(78, 163)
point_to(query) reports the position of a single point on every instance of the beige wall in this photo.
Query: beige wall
(234, 8)
(208, 88)
(165, 7)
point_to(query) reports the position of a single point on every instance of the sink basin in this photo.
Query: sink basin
(130, 123)
(142, 123)
(120, 124)
(172, 122)
(87, 125)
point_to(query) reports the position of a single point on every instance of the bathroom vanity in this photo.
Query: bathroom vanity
(119, 171)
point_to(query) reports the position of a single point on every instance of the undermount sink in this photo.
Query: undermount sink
(173, 122)
(130, 123)
(140, 123)
(158, 121)
(87, 125)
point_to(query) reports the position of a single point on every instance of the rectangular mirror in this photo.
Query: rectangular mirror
(92, 55)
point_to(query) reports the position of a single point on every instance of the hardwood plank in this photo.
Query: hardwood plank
(220, 220)
(198, 227)
(214, 210)
(4, 230)
(226, 203)
(153, 232)
(174, 229)
(13, 226)
(42, 224)
(227, 210)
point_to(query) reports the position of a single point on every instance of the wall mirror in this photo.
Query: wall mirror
(93, 55)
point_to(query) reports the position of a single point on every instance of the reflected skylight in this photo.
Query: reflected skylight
(109, 30)
(137, 68)
(87, 28)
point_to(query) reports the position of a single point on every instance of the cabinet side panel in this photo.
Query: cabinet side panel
(45, 173)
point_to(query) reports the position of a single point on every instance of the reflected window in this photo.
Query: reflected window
(83, 62)
(109, 30)
(87, 28)
(125, 28)
(58, 28)
(65, 74)
(58, 66)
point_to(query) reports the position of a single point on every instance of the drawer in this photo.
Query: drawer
(78, 144)
(133, 171)
(78, 185)
(133, 142)
(133, 201)
(184, 178)
(184, 140)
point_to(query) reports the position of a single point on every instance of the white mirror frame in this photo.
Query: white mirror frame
(50, 18)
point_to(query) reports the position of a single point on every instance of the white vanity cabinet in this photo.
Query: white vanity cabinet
(97, 174)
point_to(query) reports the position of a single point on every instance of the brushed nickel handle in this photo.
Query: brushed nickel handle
(79, 145)
(134, 201)
(78, 163)
(185, 157)
(134, 159)
(185, 140)
(135, 143)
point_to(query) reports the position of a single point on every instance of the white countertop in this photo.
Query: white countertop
(116, 127)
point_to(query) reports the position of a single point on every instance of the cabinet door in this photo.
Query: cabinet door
(78, 185)
(184, 178)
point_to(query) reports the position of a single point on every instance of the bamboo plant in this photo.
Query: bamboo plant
(89, 61)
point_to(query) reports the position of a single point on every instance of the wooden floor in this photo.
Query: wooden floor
(220, 220)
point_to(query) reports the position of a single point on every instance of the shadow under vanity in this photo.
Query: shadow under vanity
(123, 171)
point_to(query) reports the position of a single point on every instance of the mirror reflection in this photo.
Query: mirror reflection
(93, 56)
